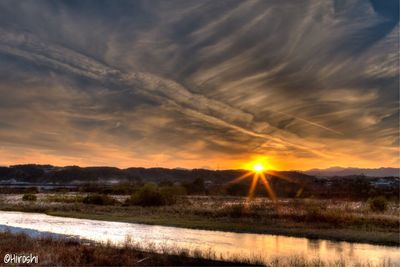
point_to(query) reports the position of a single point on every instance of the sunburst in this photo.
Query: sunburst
(260, 172)
(257, 173)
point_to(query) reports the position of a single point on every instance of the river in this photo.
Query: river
(228, 244)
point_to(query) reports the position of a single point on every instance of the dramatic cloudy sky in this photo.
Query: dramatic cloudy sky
(200, 83)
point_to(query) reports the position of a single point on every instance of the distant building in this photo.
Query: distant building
(382, 183)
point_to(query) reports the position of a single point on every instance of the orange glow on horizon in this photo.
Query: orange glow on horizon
(258, 164)
(107, 155)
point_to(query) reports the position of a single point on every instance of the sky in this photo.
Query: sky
(200, 84)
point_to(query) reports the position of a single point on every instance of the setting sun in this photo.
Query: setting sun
(258, 171)
(258, 167)
(259, 164)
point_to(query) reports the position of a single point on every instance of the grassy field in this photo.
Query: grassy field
(324, 219)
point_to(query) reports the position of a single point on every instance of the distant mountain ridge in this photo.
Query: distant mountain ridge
(34, 173)
(341, 171)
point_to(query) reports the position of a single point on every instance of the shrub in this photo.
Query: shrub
(378, 204)
(98, 199)
(236, 189)
(90, 188)
(237, 211)
(31, 190)
(195, 187)
(64, 198)
(29, 197)
(152, 195)
(313, 211)
(147, 195)
(171, 193)
(124, 188)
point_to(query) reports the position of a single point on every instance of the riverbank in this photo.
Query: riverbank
(72, 252)
(68, 251)
(349, 235)
(335, 221)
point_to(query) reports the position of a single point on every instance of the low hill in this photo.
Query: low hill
(32, 173)
(340, 171)
(325, 183)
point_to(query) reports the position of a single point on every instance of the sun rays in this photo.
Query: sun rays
(258, 173)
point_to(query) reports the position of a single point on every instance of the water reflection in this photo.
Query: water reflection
(227, 244)
(313, 244)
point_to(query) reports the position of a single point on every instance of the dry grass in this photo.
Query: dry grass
(299, 261)
(72, 252)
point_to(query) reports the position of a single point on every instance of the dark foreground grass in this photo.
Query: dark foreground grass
(71, 252)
